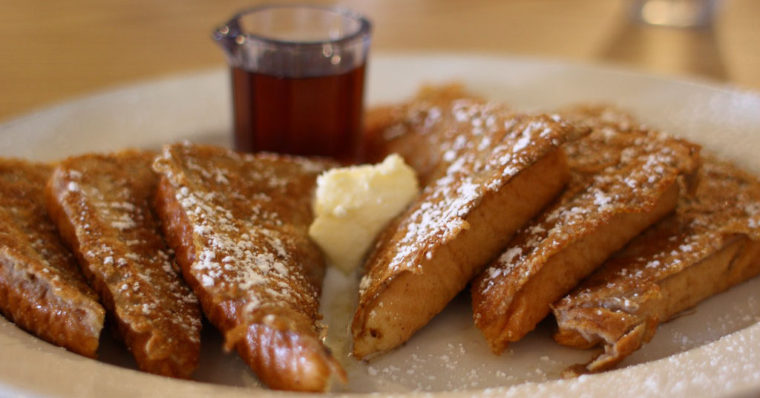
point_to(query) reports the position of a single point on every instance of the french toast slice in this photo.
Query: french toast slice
(486, 171)
(102, 205)
(41, 287)
(623, 179)
(239, 226)
(709, 245)
(395, 128)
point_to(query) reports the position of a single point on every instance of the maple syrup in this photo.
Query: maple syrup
(319, 115)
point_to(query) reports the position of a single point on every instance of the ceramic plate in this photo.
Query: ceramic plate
(712, 350)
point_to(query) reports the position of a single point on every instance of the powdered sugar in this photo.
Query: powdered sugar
(107, 200)
(244, 245)
(471, 170)
(254, 268)
(614, 171)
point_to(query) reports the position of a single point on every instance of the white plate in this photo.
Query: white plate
(713, 350)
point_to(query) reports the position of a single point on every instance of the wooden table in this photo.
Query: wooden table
(51, 51)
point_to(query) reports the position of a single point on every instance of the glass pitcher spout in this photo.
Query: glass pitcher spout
(229, 38)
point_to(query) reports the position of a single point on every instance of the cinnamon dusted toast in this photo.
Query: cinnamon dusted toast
(41, 287)
(239, 225)
(487, 171)
(102, 206)
(623, 179)
(709, 245)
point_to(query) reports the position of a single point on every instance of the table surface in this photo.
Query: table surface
(52, 51)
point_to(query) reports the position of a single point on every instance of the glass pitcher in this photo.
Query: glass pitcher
(297, 79)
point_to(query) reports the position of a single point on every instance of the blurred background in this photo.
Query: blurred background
(51, 51)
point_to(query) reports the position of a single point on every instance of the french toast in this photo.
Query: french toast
(486, 171)
(238, 224)
(41, 287)
(102, 205)
(394, 128)
(623, 179)
(709, 245)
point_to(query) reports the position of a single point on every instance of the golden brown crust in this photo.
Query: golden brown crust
(102, 205)
(470, 155)
(709, 245)
(623, 179)
(41, 287)
(238, 224)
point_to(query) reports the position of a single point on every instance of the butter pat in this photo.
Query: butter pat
(354, 203)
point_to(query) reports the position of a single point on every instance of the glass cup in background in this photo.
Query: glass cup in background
(668, 36)
(675, 13)
(297, 79)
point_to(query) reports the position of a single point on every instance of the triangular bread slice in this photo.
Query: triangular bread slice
(709, 245)
(623, 179)
(238, 224)
(41, 287)
(486, 171)
(102, 205)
